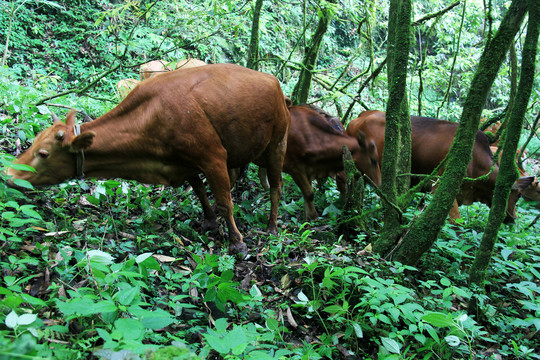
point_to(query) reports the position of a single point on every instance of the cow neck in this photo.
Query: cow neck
(117, 149)
(80, 154)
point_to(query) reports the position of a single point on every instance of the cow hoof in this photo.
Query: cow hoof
(238, 248)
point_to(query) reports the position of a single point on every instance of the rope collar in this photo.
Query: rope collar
(80, 154)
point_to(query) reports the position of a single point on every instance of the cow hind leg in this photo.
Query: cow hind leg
(307, 192)
(218, 180)
(210, 219)
(274, 165)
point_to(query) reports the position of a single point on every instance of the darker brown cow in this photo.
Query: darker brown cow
(315, 150)
(171, 128)
(431, 140)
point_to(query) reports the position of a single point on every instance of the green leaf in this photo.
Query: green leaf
(126, 296)
(28, 211)
(272, 324)
(11, 320)
(452, 340)
(358, 330)
(105, 306)
(23, 167)
(100, 257)
(217, 343)
(391, 345)
(26, 319)
(438, 319)
(139, 259)
(237, 340)
(157, 319)
(333, 309)
(130, 329)
(506, 252)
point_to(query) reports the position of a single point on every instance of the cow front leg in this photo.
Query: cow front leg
(210, 218)
(218, 180)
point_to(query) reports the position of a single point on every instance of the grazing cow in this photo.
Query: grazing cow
(153, 68)
(170, 129)
(189, 63)
(431, 140)
(124, 86)
(315, 150)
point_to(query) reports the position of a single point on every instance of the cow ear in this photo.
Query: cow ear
(361, 137)
(523, 182)
(82, 142)
(70, 119)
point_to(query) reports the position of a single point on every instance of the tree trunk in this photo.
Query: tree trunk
(424, 231)
(301, 89)
(253, 55)
(507, 172)
(397, 137)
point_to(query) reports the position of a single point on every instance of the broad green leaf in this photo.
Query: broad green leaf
(358, 330)
(130, 329)
(105, 306)
(391, 345)
(11, 320)
(100, 257)
(438, 319)
(139, 259)
(452, 340)
(157, 319)
(26, 319)
(28, 211)
(272, 324)
(217, 343)
(506, 252)
(126, 296)
(254, 291)
(237, 340)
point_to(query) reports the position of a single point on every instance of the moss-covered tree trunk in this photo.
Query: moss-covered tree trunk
(301, 89)
(397, 137)
(424, 231)
(253, 55)
(507, 174)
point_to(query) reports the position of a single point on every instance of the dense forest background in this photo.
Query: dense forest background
(120, 270)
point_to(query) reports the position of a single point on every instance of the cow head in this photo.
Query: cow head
(53, 154)
(529, 188)
(367, 159)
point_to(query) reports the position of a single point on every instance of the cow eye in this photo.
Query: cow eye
(374, 162)
(43, 154)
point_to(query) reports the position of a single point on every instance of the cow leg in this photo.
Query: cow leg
(218, 180)
(274, 166)
(307, 192)
(210, 219)
(454, 212)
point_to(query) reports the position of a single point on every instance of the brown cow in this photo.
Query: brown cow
(124, 86)
(153, 68)
(315, 150)
(431, 140)
(170, 129)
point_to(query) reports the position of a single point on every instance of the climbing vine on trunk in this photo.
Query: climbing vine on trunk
(507, 173)
(397, 139)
